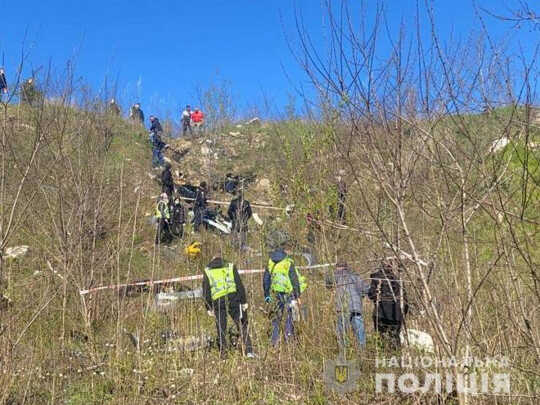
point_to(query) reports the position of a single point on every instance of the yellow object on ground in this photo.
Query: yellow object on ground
(193, 250)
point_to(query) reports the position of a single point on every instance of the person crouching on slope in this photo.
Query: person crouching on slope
(224, 292)
(284, 283)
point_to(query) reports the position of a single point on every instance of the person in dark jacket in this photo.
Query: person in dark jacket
(157, 144)
(239, 213)
(178, 218)
(199, 206)
(167, 182)
(136, 114)
(223, 291)
(114, 108)
(386, 293)
(3, 83)
(30, 95)
(283, 283)
(350, 291)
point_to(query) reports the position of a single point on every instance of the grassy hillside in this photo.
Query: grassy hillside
(83, 208)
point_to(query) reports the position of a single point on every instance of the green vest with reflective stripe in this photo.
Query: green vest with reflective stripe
(281, 282)
(166, 210)
(221, 281)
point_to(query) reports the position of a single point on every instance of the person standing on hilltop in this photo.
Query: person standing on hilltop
(29, 93)
(136, 114)
(114, 109)
(197, 118)
(3, 83)
(186, 121)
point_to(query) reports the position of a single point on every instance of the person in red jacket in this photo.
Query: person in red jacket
(197, 119)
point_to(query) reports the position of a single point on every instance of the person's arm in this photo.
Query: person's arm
(240, 289)
(206, 292)
(294, 281)
(267, 282)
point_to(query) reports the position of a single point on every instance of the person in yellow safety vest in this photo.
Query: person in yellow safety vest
(163, 216)
(224, 292)
(282, 282)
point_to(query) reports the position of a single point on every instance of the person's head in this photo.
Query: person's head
(137, 105)
(203, 185)
(167, 166)
(112, 101)
(196, 109)
(164, 197)
(188, 107)
(1, 70)
(30, 81)
(177, 201)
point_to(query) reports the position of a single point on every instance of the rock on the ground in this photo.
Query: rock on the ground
(263, 184)
(254, 120)
(205, 150)
(15, 251)
(499, 144)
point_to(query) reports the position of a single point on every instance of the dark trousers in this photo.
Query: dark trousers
(185, 126)
(221, 306)
(198, 215)
(163, 234)
(387, 320)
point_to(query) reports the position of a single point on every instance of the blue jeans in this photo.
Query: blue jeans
(157, 157)
(344, 321)
(283, 304)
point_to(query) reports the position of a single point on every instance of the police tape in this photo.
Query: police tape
(255, 205)
(185, 278)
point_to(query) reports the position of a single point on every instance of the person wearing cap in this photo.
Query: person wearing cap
(136, 114)
(157, 144)
(197, 119)
(163, 216)
(389, 297)
(167, 182)
(239, 213)
(224, 292)
(3, 83)
(186, 121)
(350, 290)
(282, 284)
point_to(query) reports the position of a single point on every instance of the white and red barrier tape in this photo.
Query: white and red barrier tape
(185, 278)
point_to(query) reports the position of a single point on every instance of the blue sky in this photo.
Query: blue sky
(159, 51)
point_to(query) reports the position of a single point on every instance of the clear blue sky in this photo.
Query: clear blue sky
(159, 50)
